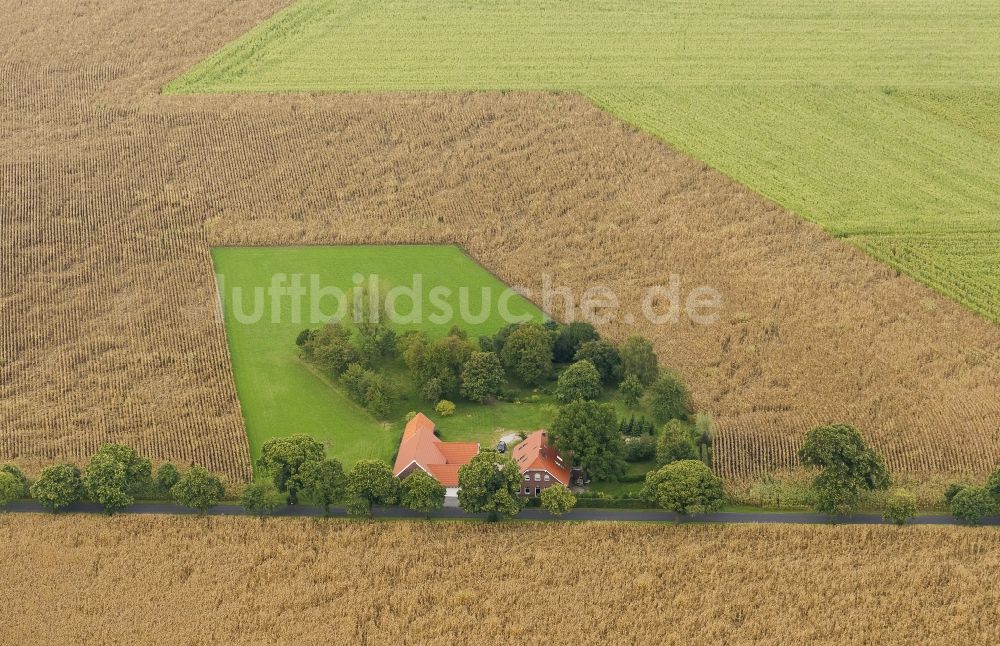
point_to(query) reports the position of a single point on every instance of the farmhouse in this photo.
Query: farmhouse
(540, 463)
(420, 448)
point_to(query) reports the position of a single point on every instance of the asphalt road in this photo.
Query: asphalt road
(581, 514)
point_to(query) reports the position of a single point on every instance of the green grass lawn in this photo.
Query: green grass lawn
(876, 119)
(280, 394)
(472, 422)
(621, 489)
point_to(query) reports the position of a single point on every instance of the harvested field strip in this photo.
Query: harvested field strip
(220, 580)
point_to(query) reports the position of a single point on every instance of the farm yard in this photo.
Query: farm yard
(876, 120)
(110, 330)
(280, 394)
(224, 580)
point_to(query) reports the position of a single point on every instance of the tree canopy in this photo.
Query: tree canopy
(580, 381)
(322, 482)
(282, 457)
(57, 487)
(166, 477)
(840, 446)
(18, 475)
(972, 504)
(198, 489)
(330, 348)
(261, 498)
(631, 390)
(669, 398)
(482, 376)
(115, 475)
(993, 485)
(557, 499)
(527, 354)
(900, 506)
(569, 338)
(436, 365)
(490, 484)
(421, 492)
(639, 359)
(605, 358)
(686, 487)
(10, 488)
(848, 467)
(587, 432)
(371, 482)
(675, 443)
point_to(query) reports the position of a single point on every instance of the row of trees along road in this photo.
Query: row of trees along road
(297, 467)
(115, 478)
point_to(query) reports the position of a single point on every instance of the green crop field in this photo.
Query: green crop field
(281, 395)
(877, 119)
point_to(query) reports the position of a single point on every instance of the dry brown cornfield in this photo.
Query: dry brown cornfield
(113, 196)
(233, 580)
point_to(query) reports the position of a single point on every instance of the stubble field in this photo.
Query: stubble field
(238, 580)
(116, 194)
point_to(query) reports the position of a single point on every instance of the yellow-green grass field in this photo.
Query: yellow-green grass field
(877, 120)
(280, 394)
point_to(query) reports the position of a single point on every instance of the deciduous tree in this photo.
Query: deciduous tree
(371, 482)
(900, 506)
(557, 500)
(482, 376)
(445, 408)
(261, 498)
(18, 475)
(330, 348)
(631, 390)
(993, 485)
(605, 357)
(282, 457)
(686, 487)
(669, 398)
(588, 433)
(10, 488)
(527, 354)
(490, 484)
(972, 504)
(675, 443)
(198, 489)
(115, 475)
(439, 361)
(836, 495)
(376, 340)
(569, 338)
(639, 359)
(166, 477)
(322, 482)
(57, 487)
(848, 467)
(421, 492)
(580, 381)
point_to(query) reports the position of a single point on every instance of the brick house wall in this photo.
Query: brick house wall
(534, 481)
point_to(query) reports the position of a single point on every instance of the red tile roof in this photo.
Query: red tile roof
(440, 459)
(446, 474)
(535, 454)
